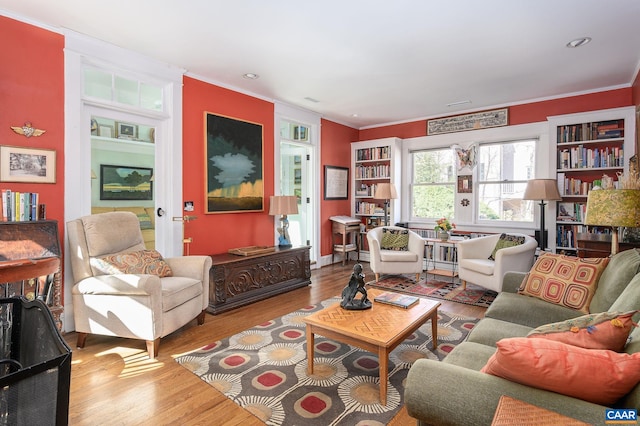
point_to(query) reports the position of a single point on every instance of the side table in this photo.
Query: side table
(348, 231)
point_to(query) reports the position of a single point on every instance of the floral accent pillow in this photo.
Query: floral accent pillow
(395, 239)
(564, 280)
(505, 241)
(135, 262)
(606, 330)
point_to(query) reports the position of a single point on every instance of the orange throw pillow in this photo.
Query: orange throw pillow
(564, 280)
(593, 375)
(135, 262)
(606, 330)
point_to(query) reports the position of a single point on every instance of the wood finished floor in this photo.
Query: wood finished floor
(113, 382)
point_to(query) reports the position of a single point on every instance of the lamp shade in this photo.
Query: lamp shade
(613, 207)
(283, 205)
(542, 189)
(385, 191)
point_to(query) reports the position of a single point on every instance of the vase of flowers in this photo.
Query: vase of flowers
(443, 227)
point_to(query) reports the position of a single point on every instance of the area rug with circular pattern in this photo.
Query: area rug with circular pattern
(437, 289)
(264, 370)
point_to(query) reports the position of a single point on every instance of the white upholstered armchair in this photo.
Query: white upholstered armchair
(384, 261)
(475, 266)
(133, 305)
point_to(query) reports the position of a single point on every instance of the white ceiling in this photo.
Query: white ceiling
(385, 60)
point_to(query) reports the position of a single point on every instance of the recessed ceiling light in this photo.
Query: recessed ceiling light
(458, 103)
(578, 42)
(315, 101)
(250, 76)
(354, 115)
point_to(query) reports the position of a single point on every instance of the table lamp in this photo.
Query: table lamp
(283, 205)
(614, 208)
(386, 192)
(543, 190)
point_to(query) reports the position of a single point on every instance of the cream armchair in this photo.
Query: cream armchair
(395, 262)
(137, 306)
(475, 266)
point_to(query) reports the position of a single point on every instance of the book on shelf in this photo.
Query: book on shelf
(20, 206)
(396, 299)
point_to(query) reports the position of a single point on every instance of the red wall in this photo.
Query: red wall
(32, 89)
(520, 114)
(216, 233)
(336, 151)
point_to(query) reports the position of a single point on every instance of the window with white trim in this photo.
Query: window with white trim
(503, 170)
(433, 184)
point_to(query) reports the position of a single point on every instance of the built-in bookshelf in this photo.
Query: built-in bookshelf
(589, 147)
(375, 162)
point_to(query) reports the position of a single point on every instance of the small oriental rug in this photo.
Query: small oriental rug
(264, 370)
(436, 289)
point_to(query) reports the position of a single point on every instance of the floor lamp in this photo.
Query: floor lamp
(386, 192)
(614, 208)
(283, 205)
(543, 190)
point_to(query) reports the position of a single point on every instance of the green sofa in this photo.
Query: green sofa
(455, 392)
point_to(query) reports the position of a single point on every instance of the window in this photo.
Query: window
(503, 170)
(432, 184)
(108, 86)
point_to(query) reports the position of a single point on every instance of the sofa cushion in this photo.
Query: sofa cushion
(398, 256)
(136, 262)
(606, 330)
(395, 239)
(561, 368)
(526, 310)
(489, 331)
(178, 290)
(482, 266)
(505, 241)
(621, 269)
(470, 355)
(564, 280)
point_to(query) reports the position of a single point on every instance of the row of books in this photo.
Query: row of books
(590, 131)
(574, 186)
(366, 190)
(566, 235)
(442, 253)
(369, 209)
(580, 157)
(379, 171)
(377, 153)
(21, 206)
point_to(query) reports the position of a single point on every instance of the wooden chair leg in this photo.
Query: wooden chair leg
(82, 339)
(418, 277)
(464, 285)
(377, 277)
(200, 317)
(152, 348)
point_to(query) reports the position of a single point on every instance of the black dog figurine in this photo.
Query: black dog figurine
(355, 286)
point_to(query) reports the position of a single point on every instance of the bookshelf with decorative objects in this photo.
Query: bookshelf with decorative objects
(588, 148)
(374, 162)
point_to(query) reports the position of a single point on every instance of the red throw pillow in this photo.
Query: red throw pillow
(606, 330)
(593, 375)
(564, 280)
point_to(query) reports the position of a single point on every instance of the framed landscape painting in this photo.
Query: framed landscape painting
(125, 183)
(234, 165)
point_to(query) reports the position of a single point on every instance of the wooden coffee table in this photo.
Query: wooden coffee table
(378, 330)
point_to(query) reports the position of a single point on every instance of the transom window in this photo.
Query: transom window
(433, 184)
(503, 170)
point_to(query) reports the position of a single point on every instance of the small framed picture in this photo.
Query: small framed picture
(465, 185)
(126, 131)
(31, 165)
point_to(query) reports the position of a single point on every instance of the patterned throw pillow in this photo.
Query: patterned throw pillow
(506, 241)
(564, 280)
(135, 262)
(606, 330)
(395, 239)
(593, 375)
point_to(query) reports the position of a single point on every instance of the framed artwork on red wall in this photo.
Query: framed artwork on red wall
(30, 165)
